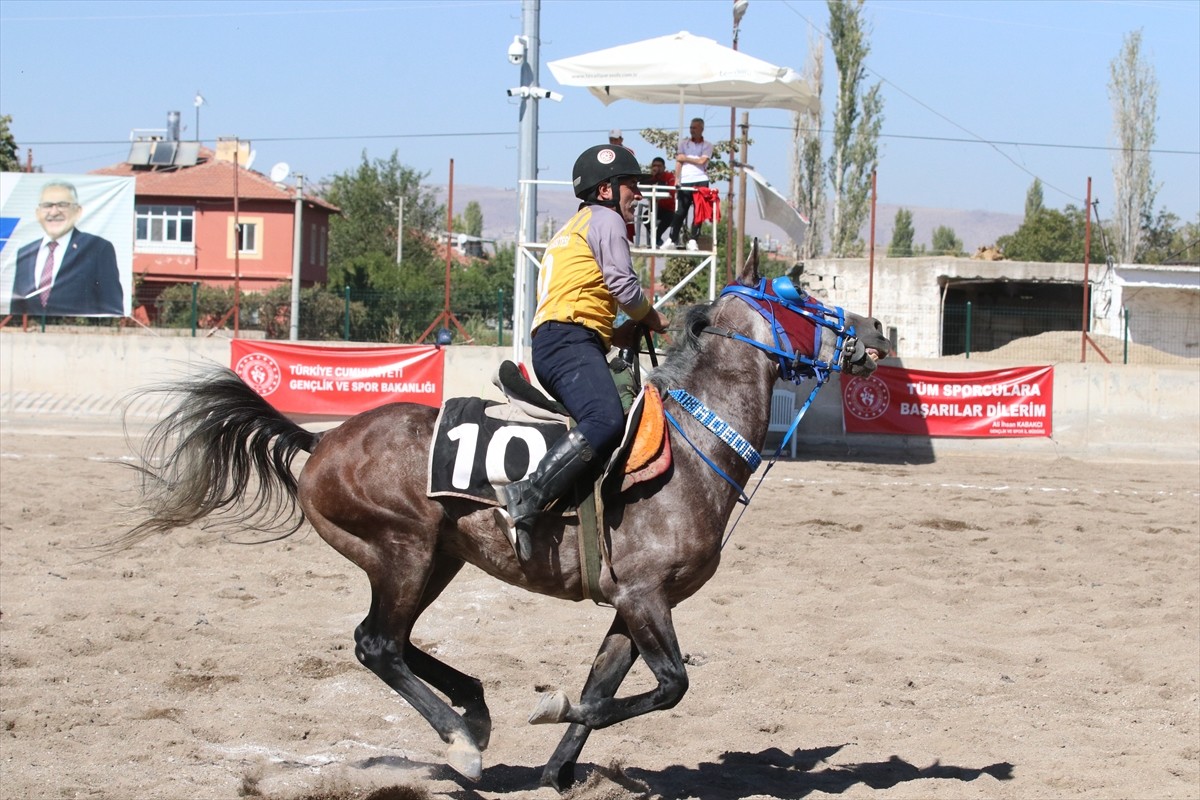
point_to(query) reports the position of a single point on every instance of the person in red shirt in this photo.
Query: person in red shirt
(664, 198)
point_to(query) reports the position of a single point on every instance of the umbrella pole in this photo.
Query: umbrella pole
(678, 166)
(741, 231)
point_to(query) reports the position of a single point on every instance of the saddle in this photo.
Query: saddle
(481, 444)
(645, 450)
(644, 453)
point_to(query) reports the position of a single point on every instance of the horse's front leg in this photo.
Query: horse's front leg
(648, 621)
(612, 663)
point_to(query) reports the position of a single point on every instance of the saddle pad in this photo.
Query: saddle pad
(651, 431)
(481, 444)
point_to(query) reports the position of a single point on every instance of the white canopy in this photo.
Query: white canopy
(685, 68)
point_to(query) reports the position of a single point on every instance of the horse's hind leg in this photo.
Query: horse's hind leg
(613, 662)
(464, 691)
(382, 645)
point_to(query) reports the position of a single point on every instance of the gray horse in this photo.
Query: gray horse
(226, 451)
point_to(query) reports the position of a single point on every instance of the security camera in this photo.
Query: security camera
(536, 92)
(516, 51)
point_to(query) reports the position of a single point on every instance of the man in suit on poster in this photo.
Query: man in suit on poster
(66, 273)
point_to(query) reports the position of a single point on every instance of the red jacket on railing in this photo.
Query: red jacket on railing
(707, 206)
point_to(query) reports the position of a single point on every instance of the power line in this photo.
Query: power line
(468, 134)
(998, 142)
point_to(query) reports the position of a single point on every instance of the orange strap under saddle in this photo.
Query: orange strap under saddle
(650, 454)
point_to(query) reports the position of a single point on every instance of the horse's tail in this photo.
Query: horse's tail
(201, 458)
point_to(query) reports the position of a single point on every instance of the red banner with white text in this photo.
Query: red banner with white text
(1001, 402)
(339, 381)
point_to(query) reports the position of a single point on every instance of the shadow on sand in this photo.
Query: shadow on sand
(773, 772)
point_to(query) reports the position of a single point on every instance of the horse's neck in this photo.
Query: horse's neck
(731, 377)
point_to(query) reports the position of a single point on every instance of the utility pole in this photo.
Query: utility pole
(739, 11)
(400, 229)
(739, 252)
(525, 275)
(297, 246)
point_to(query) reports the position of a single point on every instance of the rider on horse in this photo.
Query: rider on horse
(586, 274)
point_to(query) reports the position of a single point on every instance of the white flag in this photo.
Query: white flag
(774, 207)
(199, 101)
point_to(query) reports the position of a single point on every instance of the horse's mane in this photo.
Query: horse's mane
(680, 358)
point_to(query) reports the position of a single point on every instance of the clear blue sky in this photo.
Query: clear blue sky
(317, 83)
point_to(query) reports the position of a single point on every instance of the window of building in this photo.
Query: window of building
(247, 237)
(165, 228)
(247, 242)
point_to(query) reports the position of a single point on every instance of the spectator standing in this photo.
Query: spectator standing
(692, 161)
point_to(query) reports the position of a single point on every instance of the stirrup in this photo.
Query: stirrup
(517, 533)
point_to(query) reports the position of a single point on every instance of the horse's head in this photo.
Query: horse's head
(821, 337)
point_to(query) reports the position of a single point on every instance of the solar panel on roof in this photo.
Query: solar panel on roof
(163, 154)
(188, 154)
(139, 154)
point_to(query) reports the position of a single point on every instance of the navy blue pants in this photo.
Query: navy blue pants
(569, 362)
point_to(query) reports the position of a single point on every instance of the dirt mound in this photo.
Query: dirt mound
(1054, 347)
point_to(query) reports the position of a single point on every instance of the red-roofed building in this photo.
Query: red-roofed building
(185, 228)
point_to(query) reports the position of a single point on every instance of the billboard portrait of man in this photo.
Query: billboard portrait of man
(64, 270)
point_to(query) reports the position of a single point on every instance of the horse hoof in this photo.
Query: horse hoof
(552, 707)
(464, 758)
(480, 726)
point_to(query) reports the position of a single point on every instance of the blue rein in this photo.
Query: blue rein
(793, 365)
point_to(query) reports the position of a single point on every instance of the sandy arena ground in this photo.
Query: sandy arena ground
(970, 628)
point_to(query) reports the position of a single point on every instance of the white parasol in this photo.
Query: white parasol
(684, 68)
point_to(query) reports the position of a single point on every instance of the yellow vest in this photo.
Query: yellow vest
(571, 285)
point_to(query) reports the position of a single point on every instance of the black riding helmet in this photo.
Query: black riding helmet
(604, 162)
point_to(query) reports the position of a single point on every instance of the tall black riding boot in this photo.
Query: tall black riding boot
(524, 500)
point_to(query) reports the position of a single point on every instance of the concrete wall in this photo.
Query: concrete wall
(906, 293)
(1099, 410)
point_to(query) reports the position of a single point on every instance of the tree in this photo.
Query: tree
(1051, 236)
(1033, 200)
(470, 221)
(9, 162)
(1133, 92)
(368, 225)
(473, 215)
(902, 235)
(1165, 241)
(945, 243)
(857, 121)
(808, 176)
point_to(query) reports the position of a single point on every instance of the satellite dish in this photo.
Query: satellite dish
(280, 172)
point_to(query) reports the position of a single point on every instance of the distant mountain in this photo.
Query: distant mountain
(974, 228)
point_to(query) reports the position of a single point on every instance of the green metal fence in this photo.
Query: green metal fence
(987, 333)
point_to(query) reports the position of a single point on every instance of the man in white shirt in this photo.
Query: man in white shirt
(692, 164)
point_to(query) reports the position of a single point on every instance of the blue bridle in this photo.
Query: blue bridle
(794, 366)
(767, 298)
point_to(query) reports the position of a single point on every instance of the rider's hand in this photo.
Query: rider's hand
(626, 335)
(655, 321)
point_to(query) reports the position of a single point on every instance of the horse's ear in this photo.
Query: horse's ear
(750, 276)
